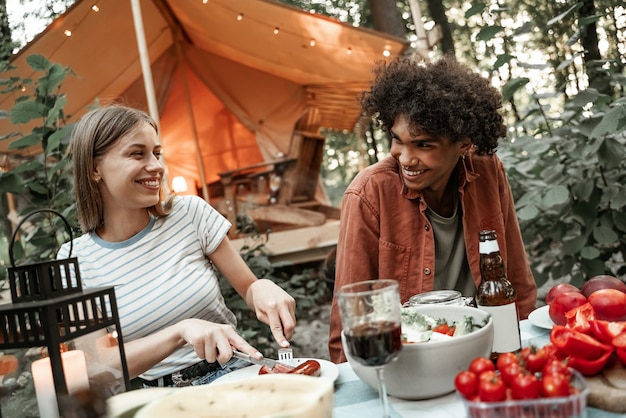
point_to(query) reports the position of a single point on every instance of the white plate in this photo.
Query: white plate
(328, 370)
(541, 318)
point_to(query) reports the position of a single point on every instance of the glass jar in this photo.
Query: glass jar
(436, 297)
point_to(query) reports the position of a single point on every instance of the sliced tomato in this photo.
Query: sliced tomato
(578, 318)
(606, 331)
(577, 344)
(589, 367)
(445, 329)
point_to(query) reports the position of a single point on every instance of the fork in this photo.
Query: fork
(285, 355)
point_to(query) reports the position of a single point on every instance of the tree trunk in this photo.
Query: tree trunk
(592, 56)
(438, 14)
(5, 33)
(386, 17)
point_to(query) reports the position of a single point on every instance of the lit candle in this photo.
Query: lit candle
(75, 369)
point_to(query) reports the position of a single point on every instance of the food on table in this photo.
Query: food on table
(512, 380)
(609, 304)
(418, 327)
(602, 282)
(558, 289)
(309, 368)
(563, 303)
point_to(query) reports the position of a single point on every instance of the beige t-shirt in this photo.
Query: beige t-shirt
(451, 267)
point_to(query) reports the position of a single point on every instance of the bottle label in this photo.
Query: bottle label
(488, 247)
(506, 335)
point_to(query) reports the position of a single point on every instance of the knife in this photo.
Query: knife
(269, 363)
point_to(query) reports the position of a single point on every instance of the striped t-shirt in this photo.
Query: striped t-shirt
(161, 275)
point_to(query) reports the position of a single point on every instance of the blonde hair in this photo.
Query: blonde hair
(94, 134)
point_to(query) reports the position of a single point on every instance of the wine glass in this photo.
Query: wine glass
(370, 316)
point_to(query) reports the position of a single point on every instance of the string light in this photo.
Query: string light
(312, 42)
(386, 52)
(205, 1)
(67, 32)
(349, 50)
(276, 30)
(95, 8)
(240, 16)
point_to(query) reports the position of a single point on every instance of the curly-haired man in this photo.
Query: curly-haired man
(416, 216)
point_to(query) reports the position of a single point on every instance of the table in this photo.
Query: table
(353, 398)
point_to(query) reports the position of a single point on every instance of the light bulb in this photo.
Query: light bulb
(276, 30)
(240, 16)
(67, 32)
(95, 8)
(312, 42)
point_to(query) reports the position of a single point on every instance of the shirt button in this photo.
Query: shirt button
(427, 227)
(426, 271)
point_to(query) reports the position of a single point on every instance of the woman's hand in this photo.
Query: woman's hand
(213, 341)
(275, 307)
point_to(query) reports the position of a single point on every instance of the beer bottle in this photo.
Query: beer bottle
(496, 296)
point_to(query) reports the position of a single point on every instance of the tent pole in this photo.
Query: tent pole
(145, 61)
(146, 71)
(183, 66)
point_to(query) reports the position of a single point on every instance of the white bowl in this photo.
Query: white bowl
(427, 370)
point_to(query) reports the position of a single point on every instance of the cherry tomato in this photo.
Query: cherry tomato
(606, 331)
(563, 303)
(609, 304)
(534, 358)
(480, 365)
(492, 389)
(525, 386)
(556, 367)
(577, 344)
(509, 371)
(558, 289)
(555, 385)
(466, 383)
(505, 359)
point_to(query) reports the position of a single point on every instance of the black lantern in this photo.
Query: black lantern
(58, 341)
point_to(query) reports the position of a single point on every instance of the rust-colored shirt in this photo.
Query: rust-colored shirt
(385, 233)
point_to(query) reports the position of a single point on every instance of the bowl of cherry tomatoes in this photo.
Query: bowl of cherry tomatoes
(532, 383)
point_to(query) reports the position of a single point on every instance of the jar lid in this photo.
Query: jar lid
(435, 297)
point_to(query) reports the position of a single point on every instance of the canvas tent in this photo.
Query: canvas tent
(231, 77)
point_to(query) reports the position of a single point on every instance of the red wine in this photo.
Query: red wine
(374, 343)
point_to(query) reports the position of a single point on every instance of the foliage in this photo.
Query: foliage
(569, 178)
(39, 176)
(303, 283)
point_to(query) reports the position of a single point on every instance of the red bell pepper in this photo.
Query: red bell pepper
(578, 318)
(589, 367)
(606, 331)
(576, 344)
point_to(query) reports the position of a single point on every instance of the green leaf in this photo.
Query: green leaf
(583, 189)
(25, 141)
(589, 253)
(619, 220)
(502, 59)
(37, 188)
(556, 196)
(476, 8)
(574, 245)
(613, 121)
(528, 212)
(24, 112)
(569, 12)
(604, 235)
(11, 183)
(611, 153)
(54, 114)
(488, 32)
(49, 82)
(584, 97)
(38, 62)
(512, 86)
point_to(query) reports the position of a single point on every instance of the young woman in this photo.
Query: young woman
(161, 258)
(416, 216)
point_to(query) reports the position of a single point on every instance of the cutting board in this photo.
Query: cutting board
(608, 389)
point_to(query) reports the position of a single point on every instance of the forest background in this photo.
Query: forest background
(559, 65)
